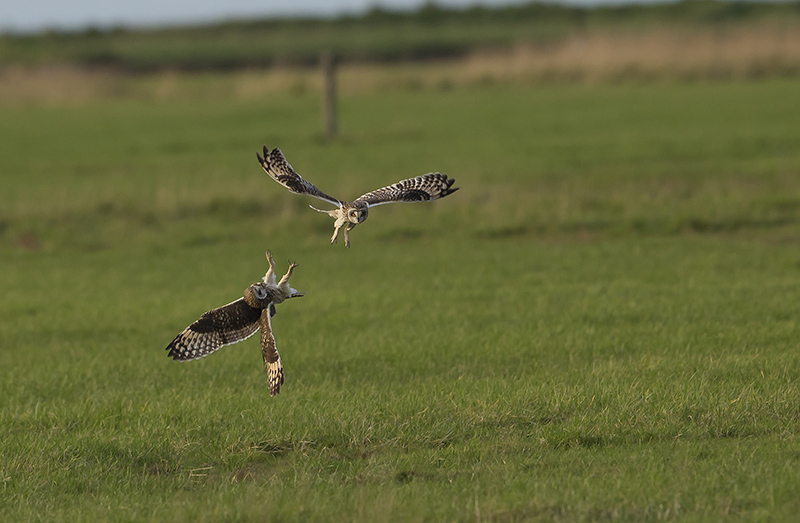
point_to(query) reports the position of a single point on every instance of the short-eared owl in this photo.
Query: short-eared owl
(427, 187)
(238, 321)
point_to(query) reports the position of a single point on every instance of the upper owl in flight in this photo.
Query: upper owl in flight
(426, 187)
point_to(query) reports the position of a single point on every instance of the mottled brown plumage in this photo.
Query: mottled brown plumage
(238, 321)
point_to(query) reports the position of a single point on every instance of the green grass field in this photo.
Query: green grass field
(601, 325)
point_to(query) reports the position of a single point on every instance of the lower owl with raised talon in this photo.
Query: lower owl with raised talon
(238, 321)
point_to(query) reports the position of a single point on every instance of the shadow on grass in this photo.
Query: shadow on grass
(278, 448)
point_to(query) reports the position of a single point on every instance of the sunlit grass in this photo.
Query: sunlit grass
(660, 159)
(600, 325)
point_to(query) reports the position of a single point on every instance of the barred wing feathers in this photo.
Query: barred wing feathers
(427, 187)
(276, 166)
(216, 328)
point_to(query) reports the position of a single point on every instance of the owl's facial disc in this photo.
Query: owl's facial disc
(357, 215)
(260, 292)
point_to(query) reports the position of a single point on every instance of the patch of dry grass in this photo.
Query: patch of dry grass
(663, 54)
(668, 54)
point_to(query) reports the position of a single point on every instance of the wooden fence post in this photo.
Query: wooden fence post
(329, 94)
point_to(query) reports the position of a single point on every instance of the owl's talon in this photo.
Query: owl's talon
(269, 277)
(285, 280)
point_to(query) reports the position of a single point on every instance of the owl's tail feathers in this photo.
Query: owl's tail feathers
(274, 376)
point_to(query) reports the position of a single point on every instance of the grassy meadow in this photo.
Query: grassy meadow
(601, 325)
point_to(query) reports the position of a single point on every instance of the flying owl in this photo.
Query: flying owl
(426, 187)
(238, 321)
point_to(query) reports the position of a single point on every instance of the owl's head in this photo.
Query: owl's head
(358, 213)
(259, 295)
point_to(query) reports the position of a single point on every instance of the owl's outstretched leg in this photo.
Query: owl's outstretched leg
(335, 234)
(269, 277)
(285, 278)
(350, 227)
(283, 285)
(338, 224)
(336, 214)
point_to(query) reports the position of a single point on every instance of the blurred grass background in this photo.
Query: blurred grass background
(382, 35)
(605, 160)
(600, 325)
(431, 48)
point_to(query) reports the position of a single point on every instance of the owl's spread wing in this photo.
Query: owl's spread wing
(216, 328)
(272, 360)
(427, 187)
(279, 170)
